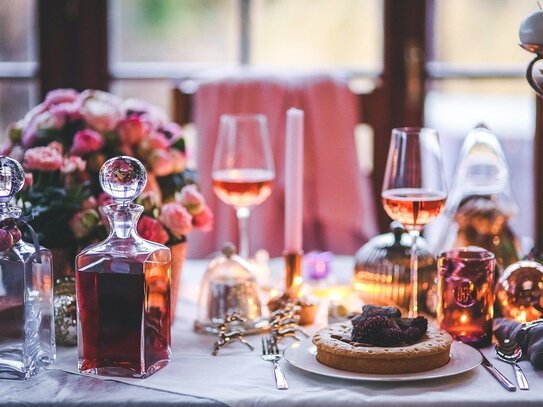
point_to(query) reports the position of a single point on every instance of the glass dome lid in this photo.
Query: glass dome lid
(229, 286)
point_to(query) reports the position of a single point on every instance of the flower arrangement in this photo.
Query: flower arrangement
(63, 142)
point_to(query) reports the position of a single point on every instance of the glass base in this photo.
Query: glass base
(120, 369)
(13, 366)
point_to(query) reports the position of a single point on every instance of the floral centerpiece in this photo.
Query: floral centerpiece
(63, 142)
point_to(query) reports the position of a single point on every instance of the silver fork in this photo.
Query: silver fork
(270, 353)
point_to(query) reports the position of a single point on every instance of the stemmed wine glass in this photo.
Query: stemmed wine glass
(414, 190)
(243, 170)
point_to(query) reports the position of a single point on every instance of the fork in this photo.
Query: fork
(270, 353)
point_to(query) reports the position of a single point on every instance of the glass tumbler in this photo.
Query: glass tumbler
(466, 294)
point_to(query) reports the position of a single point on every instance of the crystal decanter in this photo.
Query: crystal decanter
(27, 334)
(123, 286)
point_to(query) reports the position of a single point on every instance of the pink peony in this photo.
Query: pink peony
(59, 96)
(67, 111)
(203, 220)
(84, 222)
(133, 130)
(101, 110)
(151, 229)
(87, 141)
(73, 164)
(191, 199)
(42, 159)
(161, 163)
(140, 108)
(176, 218)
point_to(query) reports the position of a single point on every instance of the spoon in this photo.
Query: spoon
(509, 351)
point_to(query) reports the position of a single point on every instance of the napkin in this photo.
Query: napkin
(531, 341)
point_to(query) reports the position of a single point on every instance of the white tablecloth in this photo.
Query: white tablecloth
(238, 377)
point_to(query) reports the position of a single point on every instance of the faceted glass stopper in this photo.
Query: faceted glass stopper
(123, 178)
(12, 178)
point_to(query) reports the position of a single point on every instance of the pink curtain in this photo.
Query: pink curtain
(338, 206)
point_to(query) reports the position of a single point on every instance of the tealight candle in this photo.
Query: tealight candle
(531, 29)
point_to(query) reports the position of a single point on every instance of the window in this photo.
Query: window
(153, 41)
(18, 59)
(476, 74)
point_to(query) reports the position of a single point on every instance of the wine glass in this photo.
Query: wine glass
(243, 170)
(414, 190)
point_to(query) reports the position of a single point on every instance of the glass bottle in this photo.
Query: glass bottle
(123, 286)
(27, 336)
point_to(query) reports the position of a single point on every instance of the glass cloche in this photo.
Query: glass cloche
(229, 286)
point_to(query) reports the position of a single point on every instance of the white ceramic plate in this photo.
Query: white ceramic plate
(302, 355)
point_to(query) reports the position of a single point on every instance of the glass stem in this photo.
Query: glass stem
(414, 269)
(243, 227)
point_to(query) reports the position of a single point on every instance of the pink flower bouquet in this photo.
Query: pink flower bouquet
(62, 144)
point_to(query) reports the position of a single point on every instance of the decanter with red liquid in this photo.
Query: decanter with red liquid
(27, 334)
(123, 286)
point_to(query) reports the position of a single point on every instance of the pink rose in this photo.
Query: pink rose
(133, 130)
(203, 220)
(104, 199)
(155, 141)
(176, 218)
(55, 145)
(73, 164)
(87, 141)
(101, 110)
(191, 199)
(161, 163)
(42, 159)
(59, 96)
(84, 222)
(151, 229)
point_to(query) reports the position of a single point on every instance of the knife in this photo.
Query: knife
(504, 381)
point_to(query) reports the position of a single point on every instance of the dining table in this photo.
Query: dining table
(238, 376)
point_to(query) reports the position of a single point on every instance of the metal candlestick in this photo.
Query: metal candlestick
(293, 294)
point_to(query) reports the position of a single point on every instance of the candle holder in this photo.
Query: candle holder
(466, 294)
(293, 293)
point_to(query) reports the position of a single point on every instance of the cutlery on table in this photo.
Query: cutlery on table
(504, 381)
(509, 351)
(271, 353)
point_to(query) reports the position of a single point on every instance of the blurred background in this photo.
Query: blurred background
(443, 64)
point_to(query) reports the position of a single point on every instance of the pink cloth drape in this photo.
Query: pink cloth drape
(338, 207)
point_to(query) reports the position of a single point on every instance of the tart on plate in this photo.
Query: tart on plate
(379, 341)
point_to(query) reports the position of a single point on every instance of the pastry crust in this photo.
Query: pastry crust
(431, 352)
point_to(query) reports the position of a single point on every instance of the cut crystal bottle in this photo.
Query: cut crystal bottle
(123, 286)
(27, 335)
